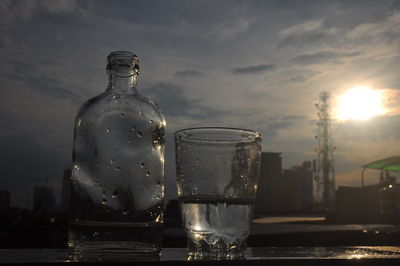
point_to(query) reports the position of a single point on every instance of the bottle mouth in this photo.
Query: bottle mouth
(123, 60)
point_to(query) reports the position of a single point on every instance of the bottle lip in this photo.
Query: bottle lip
(123, 57)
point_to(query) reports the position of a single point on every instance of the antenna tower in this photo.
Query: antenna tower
(325, 169)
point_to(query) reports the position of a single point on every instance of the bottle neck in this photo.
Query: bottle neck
(126, 84)
(122, 69)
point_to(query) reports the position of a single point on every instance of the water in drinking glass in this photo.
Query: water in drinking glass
(217, 223)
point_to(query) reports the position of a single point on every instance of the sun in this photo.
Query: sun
(360, 103)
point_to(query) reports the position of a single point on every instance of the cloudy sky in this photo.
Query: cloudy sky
(249, 64)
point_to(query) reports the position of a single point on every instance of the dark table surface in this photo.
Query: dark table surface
(365, 255)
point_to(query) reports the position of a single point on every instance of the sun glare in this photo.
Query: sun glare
(360, 103)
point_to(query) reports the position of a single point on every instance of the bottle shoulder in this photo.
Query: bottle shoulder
(129, 105)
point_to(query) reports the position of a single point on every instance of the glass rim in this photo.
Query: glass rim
(249, 132)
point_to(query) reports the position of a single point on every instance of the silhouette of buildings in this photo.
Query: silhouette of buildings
(287, 191)
(43, 199)
(378, 203)
(66, 190)
(268, 191)
(357, 204)
(297, 188)
(5, 199)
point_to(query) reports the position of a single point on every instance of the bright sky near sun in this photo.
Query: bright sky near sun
(359, 103)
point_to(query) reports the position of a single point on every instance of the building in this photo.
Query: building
(269, 183)
(296, 190)
(66, 190)
(43, 199)
(369, 204)
(5, 199)
(287, 191)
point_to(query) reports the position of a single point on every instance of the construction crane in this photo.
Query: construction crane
(324, 167)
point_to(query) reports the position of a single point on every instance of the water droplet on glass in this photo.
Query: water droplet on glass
(142, 165)
(197, 160)
(104, 192)
(115, 97)
(122, 115)
(139, 134)
(140, 112)
(117, 168)
(114, 194)
(126, 212)
(148, 174)
(193, 167)
(108, 130)
(104, 201)
(150, 122)
(112, 161)
(95, 234)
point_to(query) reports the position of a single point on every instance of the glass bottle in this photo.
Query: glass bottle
(118, 170)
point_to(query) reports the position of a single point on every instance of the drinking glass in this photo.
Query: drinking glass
(217, 175)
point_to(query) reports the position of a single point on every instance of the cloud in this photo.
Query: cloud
(303, 77)
(389, 27)
(174, 103)
(4, 40)
(321, 57)
(278, 122)
(14, 10)
(43, 82)
(302, 28)
(258, 69)
(188, 73)
(305, 33)
(380, 128)
(229, 30)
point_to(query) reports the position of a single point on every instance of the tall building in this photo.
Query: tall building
(269, 183)
(5, 198)
(66, 190)
(296, 191)
(43, 199)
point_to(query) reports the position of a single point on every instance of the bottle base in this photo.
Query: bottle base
(114, 251)
(105, 241)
